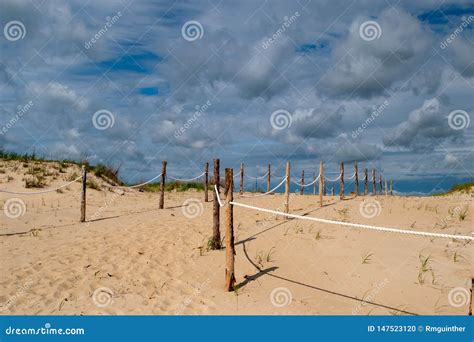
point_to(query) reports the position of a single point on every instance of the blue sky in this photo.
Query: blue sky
(218, 70)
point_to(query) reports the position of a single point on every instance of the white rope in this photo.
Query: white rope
(137, 185)
(187, 180)
(392, 230)
(41, 191)
(304, 186)
(238, 174)
(268, 192)
(218, 197)
(351, 176)
(257, 177)
(332, 180)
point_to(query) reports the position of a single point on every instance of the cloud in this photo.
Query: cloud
(424, 126)
(369, 68)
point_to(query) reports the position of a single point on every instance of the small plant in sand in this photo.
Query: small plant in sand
(425, 267)
(264, 257)
(318, 235)
(463, 213)
(367, 258)
(92, 184)
(212, 244)
(36, 181)
(72, 176)
(457, 257)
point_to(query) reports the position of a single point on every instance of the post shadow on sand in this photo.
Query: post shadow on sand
(268, 271)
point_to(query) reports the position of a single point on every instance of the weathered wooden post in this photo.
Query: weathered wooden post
(380, 184)
(356, 179)
(216, 235)
(391, 184)
(206, 182)
(229, 234)
(386, 187)
(83, 194)
(269, 178)
(325, 188)
(302, 183)
(241, 190)
(332, 189)
(314, 183)
(162, 184)
(366, 182)
(287, 189)
(374, 190)
(341, 187)
(321, 176)
(471, 304)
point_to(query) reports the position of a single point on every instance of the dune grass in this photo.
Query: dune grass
(463, 187)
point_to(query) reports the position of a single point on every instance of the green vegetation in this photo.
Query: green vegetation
(464, 187)
(177, 186)
(106, 172)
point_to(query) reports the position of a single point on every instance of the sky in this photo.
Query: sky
(388, 84)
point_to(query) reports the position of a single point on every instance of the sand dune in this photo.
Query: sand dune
(135, 259)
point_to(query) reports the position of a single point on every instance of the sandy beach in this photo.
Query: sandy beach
(132, 258)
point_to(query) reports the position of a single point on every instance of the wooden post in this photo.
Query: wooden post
(314, 183)
(162, 184)
(302, 183)
(206, 182)
(229, 234)
(341, 188)
(380, 184)
(216, 235)
(374, 190)
(287, 189)
(366, 181)
(325, 188)
(332, 190)
(269, 178)
(321, 176)
(386, 187)
(356, 179)
(471, 304)
(391, 184)
(83, 194)
(241, 190)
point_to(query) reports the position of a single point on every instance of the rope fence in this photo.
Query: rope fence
(162, 176)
